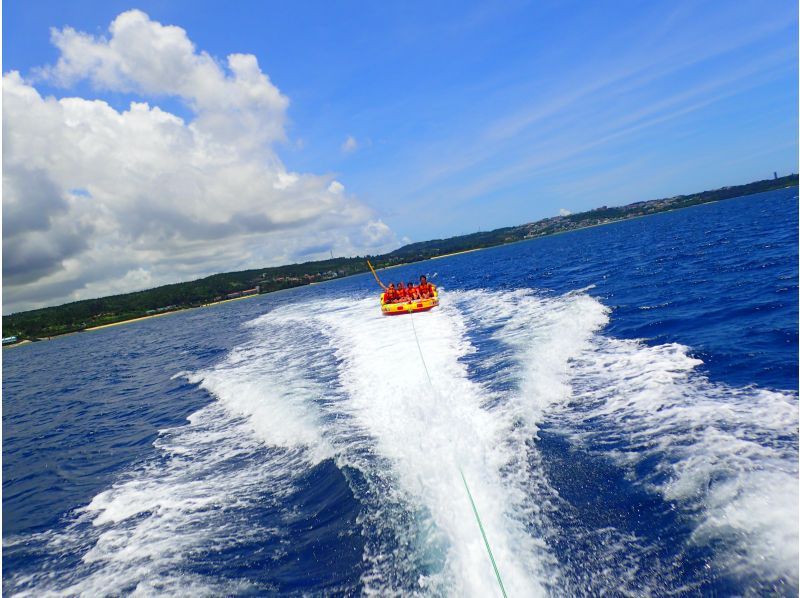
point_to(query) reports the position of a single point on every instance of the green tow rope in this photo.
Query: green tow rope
(464, 479)
(483, 533)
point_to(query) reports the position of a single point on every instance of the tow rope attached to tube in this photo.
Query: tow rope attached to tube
(463, 478)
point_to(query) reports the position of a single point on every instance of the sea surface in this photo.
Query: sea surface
(622, 402)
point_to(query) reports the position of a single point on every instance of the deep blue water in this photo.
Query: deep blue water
(622, 401)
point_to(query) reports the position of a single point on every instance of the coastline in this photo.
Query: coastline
(130, 321)
(438, 257)
(564, 232)
(166, 313)
(20, 343)
(435, 257)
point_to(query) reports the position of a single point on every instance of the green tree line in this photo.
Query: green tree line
(80, 315)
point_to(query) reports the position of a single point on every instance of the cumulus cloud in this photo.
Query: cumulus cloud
(99, 201)
(564, 212)
(350, 144)
(336, 188)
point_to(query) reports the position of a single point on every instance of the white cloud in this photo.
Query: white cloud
(146, 57)
(99, 201)
(336, 188)
(564, 212)
(350, 145)
(373, 232)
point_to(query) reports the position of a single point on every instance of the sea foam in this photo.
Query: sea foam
(403, 405)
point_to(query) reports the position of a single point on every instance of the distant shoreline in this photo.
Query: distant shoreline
(130, 321)
(422, 259)
(166, 313)
(561, 232)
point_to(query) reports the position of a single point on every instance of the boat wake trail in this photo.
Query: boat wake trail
(521, 392)
(726, 456)
(226, 482)
(425, 431)
(725, 459)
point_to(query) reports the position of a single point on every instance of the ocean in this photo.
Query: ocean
(622, 402)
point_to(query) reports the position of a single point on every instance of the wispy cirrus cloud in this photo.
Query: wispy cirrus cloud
(640, 84)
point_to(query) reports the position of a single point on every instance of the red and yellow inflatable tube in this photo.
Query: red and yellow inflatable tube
(397, 309)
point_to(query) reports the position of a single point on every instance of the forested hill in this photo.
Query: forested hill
(80, 315)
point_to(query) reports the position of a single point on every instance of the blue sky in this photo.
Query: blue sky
(467, 116)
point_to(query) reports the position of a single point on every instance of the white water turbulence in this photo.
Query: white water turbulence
(196, 497)
(402, 405)
(167, 514)
(425, 420)
(727, 457)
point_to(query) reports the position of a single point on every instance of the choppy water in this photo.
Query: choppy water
(622, 401)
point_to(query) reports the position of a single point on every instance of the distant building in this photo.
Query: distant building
(157, 310)
(775, 174)
(235, 295)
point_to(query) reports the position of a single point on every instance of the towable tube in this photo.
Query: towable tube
(396, 309)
